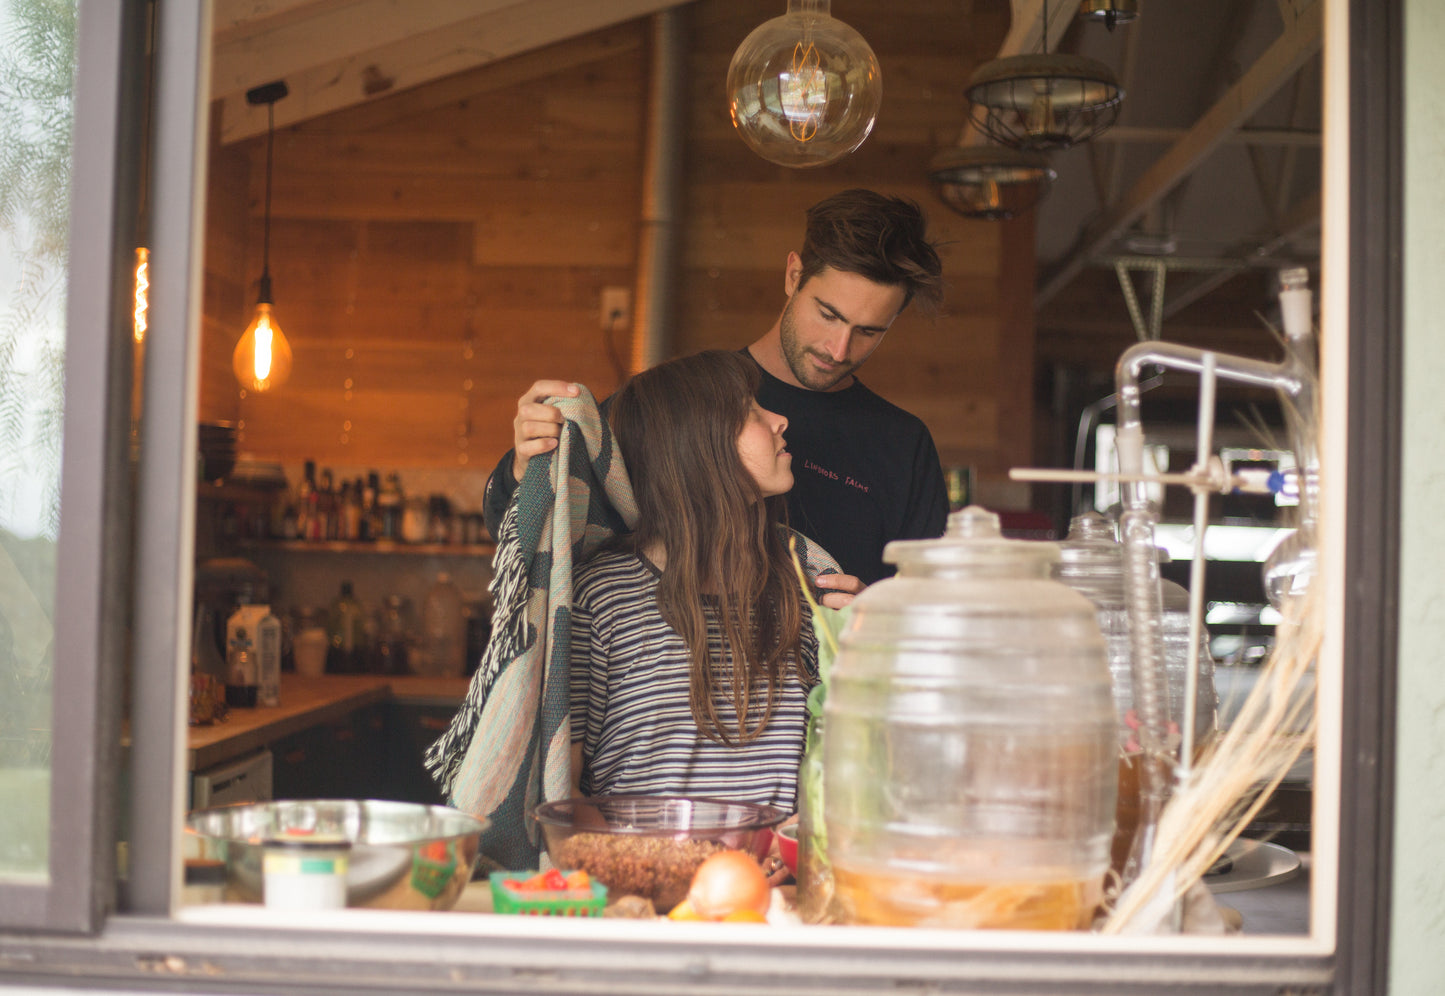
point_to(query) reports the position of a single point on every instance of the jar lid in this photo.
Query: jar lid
(1091, 544)
(974, 539)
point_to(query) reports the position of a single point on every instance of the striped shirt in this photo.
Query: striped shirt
(630, 674)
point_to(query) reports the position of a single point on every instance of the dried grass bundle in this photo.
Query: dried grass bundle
(1230, 784)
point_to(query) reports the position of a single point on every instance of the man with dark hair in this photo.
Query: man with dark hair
(865, 471)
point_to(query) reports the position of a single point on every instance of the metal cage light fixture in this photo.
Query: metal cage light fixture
(990, 182)
(1040, 103)
(1111, 12)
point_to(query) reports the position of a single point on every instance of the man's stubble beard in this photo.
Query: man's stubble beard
(796, 357)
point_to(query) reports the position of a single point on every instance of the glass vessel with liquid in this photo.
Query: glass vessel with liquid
(1092, 563)
(969, 766)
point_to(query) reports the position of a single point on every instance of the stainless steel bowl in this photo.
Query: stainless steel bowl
(403, 855)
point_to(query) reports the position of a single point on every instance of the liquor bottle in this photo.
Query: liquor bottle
(306, 501)
(388, 503)
(346, 632)
(326, 507)
(370, 515)
(241, 673)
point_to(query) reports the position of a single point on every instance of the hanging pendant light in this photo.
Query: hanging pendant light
(262, 360)
(1111, 12)
(990, 182)
(804, 89)
(1040, 103)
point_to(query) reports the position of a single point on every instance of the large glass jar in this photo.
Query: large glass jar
(1092, 563)
(969, 765)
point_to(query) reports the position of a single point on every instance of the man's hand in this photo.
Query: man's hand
(538, 426)
(837, 590)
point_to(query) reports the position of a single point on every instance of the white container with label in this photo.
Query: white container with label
(306, 874)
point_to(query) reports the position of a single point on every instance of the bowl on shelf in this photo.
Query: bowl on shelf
(402, 855)
(650, 846)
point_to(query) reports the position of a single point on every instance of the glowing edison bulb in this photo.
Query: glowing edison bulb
(142, 293)
(804, 89)
(262, 359)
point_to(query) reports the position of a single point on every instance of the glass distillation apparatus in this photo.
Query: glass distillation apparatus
(1288, 569)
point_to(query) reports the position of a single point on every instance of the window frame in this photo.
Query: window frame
(374, 949)
(92, 547)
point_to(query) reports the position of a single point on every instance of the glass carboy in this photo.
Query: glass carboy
(969, 769)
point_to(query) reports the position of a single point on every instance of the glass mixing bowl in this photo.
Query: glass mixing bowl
(650, 846)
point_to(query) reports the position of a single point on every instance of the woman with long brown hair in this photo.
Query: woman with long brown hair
(692, 645)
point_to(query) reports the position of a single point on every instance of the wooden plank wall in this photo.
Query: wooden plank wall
(436, 250)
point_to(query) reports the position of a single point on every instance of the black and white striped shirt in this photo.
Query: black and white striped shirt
(630, 673)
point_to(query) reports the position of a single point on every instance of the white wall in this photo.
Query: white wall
(1417, 954)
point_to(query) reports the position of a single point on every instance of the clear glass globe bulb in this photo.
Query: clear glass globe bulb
(804, 88)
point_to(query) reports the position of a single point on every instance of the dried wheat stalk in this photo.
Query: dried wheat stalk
(1230, 784)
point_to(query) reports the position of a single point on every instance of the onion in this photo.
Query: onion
(727, 882)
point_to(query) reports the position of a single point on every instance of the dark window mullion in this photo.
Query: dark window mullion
(166, 486)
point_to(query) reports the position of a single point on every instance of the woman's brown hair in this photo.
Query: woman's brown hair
(677, 426)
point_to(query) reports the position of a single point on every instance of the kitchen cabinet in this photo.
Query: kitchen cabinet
(338, 759)
(373, 753)
(412, 727)
(339, 736)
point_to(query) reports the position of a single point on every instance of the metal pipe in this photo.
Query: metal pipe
(658, 238)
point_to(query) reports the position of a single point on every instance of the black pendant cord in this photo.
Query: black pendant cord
(265, 296)
(1046, 27)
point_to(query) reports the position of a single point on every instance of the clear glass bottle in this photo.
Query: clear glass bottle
(393, 637)
(268, 658)
(969, 768)
(443, 630)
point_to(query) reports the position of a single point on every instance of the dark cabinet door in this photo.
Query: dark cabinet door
(341, 759)
(414, 728)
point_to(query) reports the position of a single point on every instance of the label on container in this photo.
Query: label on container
(306, 875)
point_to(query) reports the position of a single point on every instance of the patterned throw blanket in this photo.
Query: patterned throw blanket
(509, 746)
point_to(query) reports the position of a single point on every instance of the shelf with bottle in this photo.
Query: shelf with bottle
(383, 547)
(219, 491)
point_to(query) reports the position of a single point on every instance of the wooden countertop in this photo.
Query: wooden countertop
(305, 702)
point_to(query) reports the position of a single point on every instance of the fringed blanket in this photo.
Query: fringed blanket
(509, 746)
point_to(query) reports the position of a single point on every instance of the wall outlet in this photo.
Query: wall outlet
(616, 308)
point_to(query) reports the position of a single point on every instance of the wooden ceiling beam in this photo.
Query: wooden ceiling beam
(1304, 216)
(277, 47)
(1144, 134)
(429, 42)
(231, 19)
(1300, 41)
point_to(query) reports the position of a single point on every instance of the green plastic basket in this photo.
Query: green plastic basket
(505, 900)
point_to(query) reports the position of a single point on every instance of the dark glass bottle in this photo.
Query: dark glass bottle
(346, 651)
(242, 675)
